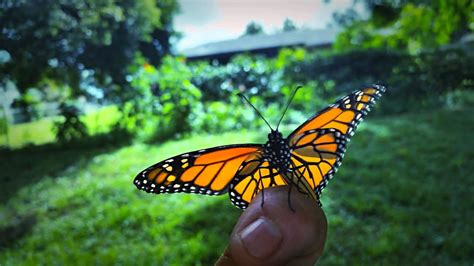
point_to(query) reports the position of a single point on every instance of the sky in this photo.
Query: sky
(204, 21)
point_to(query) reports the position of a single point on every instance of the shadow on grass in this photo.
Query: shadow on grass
(16, 230)
(215, 221)
(28, 165)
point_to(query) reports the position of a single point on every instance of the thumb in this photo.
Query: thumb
(274, 234)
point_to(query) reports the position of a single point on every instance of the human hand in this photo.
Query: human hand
(274, 234)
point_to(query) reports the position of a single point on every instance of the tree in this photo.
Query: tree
(59, 40)
(253, 28)
(406, 25)
(288, 25)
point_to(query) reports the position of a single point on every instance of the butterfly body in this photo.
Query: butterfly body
(277, 151)
(306, 159)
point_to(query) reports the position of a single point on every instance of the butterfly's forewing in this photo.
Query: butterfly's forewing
(203, 172)
(345, 114)
(318, 145)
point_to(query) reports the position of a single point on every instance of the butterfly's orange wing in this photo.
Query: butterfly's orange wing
(317, 148)
(318, 145)
(254, 175)
(238, 169)
(203, 172)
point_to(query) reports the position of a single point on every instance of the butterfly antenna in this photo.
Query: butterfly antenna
(256, 111)
(287, 105)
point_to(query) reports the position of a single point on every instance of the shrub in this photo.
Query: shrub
(163, 103)
(71, 128)
(414, 81)
(218, 116)
(253, 75)
(3, 125)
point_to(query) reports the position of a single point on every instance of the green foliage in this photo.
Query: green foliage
(67, 37)
(218, 116)
(71, 128)
(81, 47)
(251, 75)
(409, 26)
(180, 98)
(102, 120)
(3, 125)
(287, 56)
(402, 196)
(310, 98)
(163, 103)
(415, 81)
(459, 99)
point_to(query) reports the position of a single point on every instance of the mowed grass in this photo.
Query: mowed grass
(42, 131)
(403, 196)
(33, 133)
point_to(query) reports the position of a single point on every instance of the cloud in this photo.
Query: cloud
(204, 21)
(197, 12)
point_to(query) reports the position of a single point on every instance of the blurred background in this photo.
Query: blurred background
(92, 92)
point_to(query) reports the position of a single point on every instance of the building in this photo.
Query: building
(262, 44)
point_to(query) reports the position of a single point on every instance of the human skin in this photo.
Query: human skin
(276, 235)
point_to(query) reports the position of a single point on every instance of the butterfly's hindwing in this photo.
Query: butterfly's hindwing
(255, 175)
(316, 155)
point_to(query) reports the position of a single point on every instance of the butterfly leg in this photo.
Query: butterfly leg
(289, 196)
(297, 179)
(263, 196)
(260, 181)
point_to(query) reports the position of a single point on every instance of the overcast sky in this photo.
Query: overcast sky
(204, 21)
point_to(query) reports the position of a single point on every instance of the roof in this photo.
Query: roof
(309, 38)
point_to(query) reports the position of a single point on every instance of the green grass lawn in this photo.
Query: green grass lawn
(37, 132)
(403, 196)
(42, 131)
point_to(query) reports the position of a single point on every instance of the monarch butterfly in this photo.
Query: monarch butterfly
(306, 159)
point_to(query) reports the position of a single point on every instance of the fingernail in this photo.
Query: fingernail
(261, 238)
